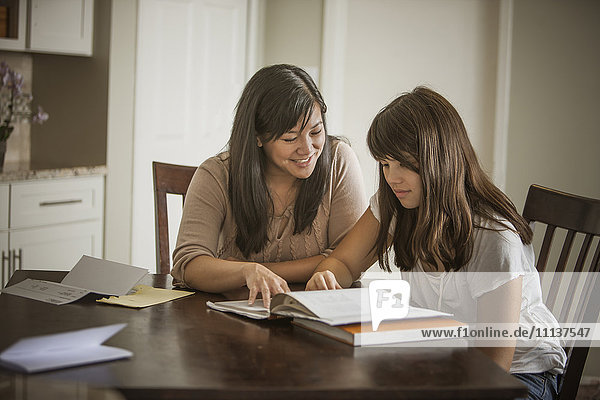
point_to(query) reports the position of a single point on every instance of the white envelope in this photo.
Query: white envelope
(103, 277)
(61, 350)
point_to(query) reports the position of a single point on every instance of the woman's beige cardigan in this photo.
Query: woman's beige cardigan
(208, 228)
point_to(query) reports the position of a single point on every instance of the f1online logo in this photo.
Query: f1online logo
(388, 300)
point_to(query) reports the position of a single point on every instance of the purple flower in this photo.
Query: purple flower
(40, 117)
(17, 82)
(4, 69)
(15, 106)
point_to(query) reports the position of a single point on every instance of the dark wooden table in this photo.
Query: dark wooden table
(184, 350)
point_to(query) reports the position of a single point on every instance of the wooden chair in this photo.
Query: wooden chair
(579, 216)
(168, 179)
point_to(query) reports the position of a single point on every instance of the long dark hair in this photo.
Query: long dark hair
(423, 126)
(272, 103)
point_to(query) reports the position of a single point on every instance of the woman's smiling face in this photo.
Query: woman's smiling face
(295, 153)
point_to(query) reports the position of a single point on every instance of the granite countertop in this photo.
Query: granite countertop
(24, 171)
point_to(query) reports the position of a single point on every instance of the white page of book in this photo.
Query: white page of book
(342, 306)
(348, 306)
(241, 307)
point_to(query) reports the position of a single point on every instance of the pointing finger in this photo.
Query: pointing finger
(252, 295)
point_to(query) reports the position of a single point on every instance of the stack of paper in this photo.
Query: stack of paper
(89, 275)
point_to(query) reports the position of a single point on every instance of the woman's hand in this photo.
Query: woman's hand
(323, 280)
(261, 279)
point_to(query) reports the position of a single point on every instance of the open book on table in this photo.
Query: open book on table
(343, 314)
(334, 307)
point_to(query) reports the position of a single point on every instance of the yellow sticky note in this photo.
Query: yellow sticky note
(145, 296)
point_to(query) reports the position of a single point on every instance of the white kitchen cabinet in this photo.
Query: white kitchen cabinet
(48, 202)
(51, 222)
(56, 247)
(16, 11)
(61, 26)
(51, 26)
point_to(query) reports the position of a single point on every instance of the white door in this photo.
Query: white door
(190, 71)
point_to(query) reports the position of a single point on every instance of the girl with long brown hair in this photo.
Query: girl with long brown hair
(457, 239)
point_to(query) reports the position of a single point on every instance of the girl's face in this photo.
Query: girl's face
(295, 153)
(405, 183)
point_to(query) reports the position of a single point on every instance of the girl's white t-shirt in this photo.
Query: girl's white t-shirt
(498, 257)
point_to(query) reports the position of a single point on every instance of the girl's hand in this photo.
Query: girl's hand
(323, 280)
(260, 279)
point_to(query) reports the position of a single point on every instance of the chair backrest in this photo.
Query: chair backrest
(578, 216)
(168, 179)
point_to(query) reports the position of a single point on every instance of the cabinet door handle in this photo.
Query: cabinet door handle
(59, 202)
(16, 257)
(5, 273)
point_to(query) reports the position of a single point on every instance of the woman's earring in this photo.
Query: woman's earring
(258, 142)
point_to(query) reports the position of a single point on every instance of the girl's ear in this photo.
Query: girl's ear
(258, 142)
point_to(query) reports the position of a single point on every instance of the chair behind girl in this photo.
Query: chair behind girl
(579, 216)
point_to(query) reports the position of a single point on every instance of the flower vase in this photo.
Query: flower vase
(5, 131)
(2, 153)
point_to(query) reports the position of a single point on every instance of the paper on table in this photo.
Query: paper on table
(103, 276)
(42, 353)
(49, 292)
(88, 275)
(145, 296)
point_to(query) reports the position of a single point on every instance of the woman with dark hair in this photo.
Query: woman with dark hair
(268, 210)
(458, 240)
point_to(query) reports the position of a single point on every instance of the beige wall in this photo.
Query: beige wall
(554, 128)
(393, 46)
(292, 32)
(74, 91)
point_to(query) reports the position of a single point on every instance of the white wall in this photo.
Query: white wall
(119, 148)
(393, 46)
